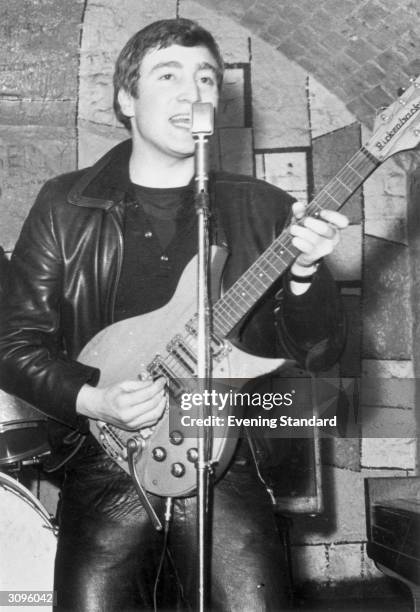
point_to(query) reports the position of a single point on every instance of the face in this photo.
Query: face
(170, 81)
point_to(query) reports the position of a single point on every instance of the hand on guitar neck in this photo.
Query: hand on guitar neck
(314, 238)
(130, 405)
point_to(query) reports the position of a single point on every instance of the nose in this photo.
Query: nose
(189, 91)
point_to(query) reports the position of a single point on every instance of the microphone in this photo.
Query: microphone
(202, 127)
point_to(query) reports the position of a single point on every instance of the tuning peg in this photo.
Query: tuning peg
(413, 80)
(381, 113)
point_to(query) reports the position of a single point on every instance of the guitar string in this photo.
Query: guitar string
(359, 156)
(269, 253)
(350, 173)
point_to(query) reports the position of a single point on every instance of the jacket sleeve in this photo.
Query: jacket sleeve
(311, 327)
(33, 362)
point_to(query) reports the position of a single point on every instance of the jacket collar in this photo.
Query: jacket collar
(106, 182)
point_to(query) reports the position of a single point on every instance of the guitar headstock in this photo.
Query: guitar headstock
(397, 128)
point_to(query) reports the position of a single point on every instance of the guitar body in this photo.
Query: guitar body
(126, 350)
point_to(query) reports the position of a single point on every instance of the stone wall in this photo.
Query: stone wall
(38, 100)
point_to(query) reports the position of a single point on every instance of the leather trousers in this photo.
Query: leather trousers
(108, 551)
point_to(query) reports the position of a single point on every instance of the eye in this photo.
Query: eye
(168, 76)
(207, 80)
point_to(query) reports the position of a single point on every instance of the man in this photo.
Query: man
(110, 242)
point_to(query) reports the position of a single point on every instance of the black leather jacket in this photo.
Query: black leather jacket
(66, 266)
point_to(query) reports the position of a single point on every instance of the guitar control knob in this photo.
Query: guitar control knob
(177, 470)
(192, 455)
(176, 438)
(159, 453)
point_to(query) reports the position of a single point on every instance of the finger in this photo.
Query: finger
(147, 387)
(335, 218)
(151, 403)
(144, 399)
(305, 233)
(314, 246)
(306, 248)
(134, 385)
(321, 228)
(139, 415)
(298, 210)
(150, 417)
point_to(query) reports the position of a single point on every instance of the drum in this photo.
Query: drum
(27, 544)
(23, 431)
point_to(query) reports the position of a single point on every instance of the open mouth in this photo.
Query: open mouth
(181, 121)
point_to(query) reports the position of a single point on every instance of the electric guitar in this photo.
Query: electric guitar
(164, 459)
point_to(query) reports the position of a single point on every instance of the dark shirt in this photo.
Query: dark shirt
(159, 240)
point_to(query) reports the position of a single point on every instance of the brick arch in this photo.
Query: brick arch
(361, 50)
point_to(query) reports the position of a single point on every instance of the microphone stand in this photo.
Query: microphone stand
(202, 128)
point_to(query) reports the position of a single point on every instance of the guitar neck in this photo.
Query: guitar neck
(247, 290)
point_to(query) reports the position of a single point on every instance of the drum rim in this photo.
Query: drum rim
(19, 424)
(13, 485)
(34, 454)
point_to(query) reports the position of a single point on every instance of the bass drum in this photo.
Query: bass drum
(28, 544)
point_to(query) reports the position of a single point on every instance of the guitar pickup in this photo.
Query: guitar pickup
(183, 353)
(216, 344)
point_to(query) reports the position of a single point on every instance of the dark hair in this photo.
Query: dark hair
(158, 35)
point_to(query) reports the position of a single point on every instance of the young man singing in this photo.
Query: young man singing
(110, 242)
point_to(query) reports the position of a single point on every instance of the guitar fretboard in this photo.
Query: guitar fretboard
(248, 289)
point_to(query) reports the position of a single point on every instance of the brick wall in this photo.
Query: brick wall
(362, 50)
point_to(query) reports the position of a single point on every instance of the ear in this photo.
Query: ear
(126, 103)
